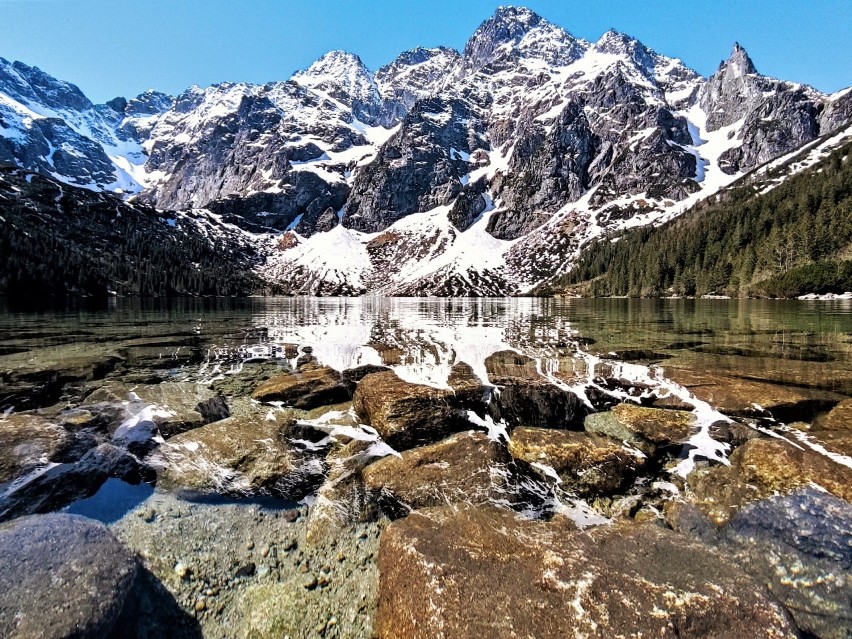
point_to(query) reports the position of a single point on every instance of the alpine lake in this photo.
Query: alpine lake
(427, 467)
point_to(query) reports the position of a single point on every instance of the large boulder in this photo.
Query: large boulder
(465, 467)
(28, 442)
(645, 428)
(407, 414)
(589, 464)
(305, 389)
(241, 455)
(481, 571)
(797, 544)
(61, 576)
(761, 468)
(526, 398)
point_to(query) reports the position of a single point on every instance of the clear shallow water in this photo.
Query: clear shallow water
(805, 344)
(789, 342)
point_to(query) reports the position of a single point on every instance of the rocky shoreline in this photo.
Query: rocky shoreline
(292, 499)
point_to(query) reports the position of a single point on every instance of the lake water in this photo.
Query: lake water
(788, 342)
(86, 369)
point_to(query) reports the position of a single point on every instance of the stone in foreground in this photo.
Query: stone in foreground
(239, 455)
(761, 468)
(61, 576)
(483, 572)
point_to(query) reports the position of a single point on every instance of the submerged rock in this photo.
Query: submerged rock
(305, 389)
(797, 544)
(28, 442)
(242, 455)
(62, 576)
(406, 414)
(482, 571)
(747, 398)
(58, 485)
(644, 428)
(185, 405)
(588, 464)
(839, 418)
(465, 467)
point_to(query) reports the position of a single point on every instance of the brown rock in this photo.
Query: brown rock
(761, 468)
(746, 397)
(840, 417)
(191, 405)
(483, 572)
(457, 469)
(644, 428)
(247, 454)
(406, 414)
(28, 442)
(590, 464)
(305, 389)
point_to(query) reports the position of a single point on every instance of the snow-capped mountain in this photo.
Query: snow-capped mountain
(477, 172)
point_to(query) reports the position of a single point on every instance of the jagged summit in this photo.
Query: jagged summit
(738, 63)
(519, 32)
(344, 77)
(336, 65)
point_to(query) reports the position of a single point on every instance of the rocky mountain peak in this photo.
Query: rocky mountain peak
(739, 63)
(414, 75)
(517, 31)
(618, 43)
(344, 77)
(149, 102)
(32, 85)
(335, 66)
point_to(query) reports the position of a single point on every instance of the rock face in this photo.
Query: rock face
(456, 573)
(305, 389)
(405, 414)
(62, 576)
(644, 428)
(589, 464)
(464, 468)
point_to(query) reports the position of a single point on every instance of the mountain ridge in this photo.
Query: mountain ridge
(526, 145)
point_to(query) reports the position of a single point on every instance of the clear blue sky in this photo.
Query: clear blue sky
(119, 47)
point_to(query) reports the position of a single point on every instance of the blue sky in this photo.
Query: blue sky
(121, 47)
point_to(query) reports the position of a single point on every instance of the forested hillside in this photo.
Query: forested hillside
(57, 240)
(756, 238)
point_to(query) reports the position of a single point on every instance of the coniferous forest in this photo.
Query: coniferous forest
(754, 239)
(57, 241)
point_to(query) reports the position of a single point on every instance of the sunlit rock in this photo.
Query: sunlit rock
(461, 572)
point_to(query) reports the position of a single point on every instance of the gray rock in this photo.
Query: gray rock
(61, 576)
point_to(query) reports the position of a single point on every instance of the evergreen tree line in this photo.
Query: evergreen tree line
(58, 241)
(750, 241)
